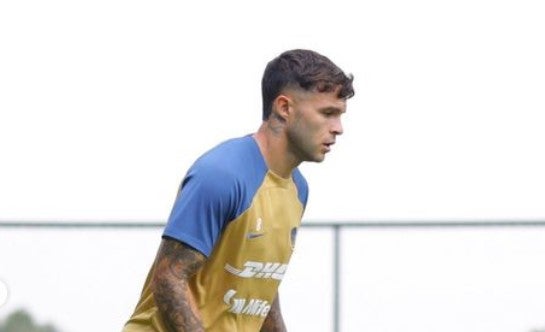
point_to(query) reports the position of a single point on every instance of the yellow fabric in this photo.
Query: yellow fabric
(239, 281)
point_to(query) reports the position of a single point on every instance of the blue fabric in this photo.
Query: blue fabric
(218, 187)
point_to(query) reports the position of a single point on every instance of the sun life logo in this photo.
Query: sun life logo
(3, 293)
(246, 306)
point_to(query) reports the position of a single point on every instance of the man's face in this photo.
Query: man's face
(314, 123)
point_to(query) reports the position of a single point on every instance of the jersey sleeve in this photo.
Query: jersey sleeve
(302, 187)
(205, 203)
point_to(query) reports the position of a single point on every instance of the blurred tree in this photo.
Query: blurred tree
(21, 321)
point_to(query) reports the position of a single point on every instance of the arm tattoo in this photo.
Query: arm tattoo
(274, 321)
(176, 263)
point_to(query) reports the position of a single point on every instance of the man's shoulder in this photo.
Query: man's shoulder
(302, 186)
(232, 147)
(299, 178)
(236, 157)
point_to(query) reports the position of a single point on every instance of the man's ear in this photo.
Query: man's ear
(281, 107)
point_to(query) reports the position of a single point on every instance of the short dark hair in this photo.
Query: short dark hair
(303, 69)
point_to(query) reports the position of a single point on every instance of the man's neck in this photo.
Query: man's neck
(273, 145)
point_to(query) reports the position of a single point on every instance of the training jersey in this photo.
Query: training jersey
(244, 218)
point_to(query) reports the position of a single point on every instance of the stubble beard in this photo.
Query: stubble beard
(301, 148)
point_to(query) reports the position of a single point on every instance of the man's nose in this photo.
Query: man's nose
(337, 128)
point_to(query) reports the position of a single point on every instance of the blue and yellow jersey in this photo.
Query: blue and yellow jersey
(244, 218)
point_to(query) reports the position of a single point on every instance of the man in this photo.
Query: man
(232, 229)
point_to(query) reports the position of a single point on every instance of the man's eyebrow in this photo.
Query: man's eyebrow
(332, 109)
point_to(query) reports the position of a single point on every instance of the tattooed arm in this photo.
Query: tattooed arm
(175, 264)
(274, 321)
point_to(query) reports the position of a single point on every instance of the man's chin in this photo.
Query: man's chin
(317, 159)
(314, 158)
